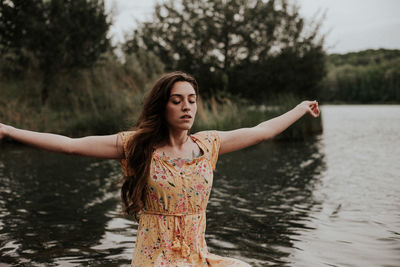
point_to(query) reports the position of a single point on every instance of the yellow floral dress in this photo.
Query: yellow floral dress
(172, 224)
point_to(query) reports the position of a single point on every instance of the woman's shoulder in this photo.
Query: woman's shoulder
(123, 139)
(211, 142)
(209, 135)
(125, 135)
(210, 139)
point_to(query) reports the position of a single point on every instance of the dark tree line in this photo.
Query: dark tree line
(61, 35)
(369, 76)
(250, 48)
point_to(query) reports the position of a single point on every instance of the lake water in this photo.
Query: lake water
(333, 200)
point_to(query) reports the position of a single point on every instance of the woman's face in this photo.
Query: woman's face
(181, 106)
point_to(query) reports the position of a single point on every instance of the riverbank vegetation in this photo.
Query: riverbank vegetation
(370, 76)
(108, 98)
(59, 73)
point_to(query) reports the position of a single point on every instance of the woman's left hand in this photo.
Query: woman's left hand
(310, 107)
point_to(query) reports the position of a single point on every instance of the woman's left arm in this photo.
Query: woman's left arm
(244, 137)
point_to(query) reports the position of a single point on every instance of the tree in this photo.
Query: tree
(61, 34)
(369, 76)
(245, 47)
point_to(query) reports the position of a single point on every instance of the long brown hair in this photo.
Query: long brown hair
(151, 129)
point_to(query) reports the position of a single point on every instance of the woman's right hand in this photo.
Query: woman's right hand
(3, 129)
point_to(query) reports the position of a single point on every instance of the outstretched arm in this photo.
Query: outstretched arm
(108, 146)
(244, 137)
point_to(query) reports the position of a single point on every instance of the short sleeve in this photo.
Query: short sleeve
(211, 140)
(125, 136)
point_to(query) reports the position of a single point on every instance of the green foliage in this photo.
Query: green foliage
(61, 35)
(369, 76)
(108, 98)
(50, 54)
(248, 48)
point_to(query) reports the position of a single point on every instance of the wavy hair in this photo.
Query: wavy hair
(151, 129)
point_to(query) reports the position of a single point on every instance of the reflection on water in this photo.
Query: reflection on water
(59, 209)
(260, 197)
(359, 223)
(330, 201)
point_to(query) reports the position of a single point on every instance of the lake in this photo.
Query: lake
(332, 200)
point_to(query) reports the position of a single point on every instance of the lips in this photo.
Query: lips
(186, 116)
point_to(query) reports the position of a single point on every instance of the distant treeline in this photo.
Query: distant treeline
(370, 76)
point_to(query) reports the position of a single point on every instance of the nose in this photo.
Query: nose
(185, 105)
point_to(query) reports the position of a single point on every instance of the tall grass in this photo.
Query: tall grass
(100, 100)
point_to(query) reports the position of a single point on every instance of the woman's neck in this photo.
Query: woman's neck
(177, 139)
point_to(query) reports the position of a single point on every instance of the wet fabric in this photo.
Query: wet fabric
(172, 225)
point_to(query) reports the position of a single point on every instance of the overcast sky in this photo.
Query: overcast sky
(352, 25)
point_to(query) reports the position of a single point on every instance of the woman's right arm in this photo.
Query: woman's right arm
(107, 146)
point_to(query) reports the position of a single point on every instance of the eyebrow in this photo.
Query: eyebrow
(182, 95)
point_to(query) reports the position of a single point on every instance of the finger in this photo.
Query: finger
(313, 103)
(315, 108)
(315, 115)
(310, 111)
(314, 112)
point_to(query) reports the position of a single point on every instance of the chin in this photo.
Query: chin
(181, 126)
(184, 127)
(187, 127)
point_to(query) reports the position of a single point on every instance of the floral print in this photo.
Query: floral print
(172, 225)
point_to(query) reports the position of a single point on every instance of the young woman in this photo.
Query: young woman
(168, 172)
